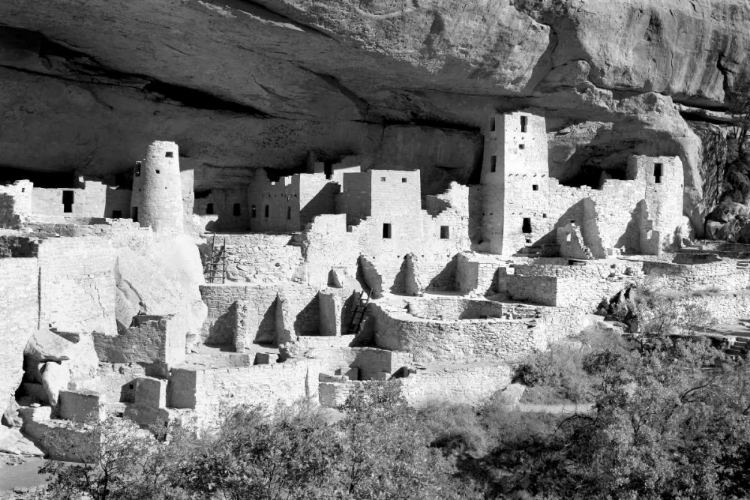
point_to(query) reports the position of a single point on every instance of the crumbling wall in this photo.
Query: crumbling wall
(77, 285)
(260, 258)
(151, 339)
(454, 308)
(19, 314)
(477, 273)
(464, 384)
(260, 317)
(206, 390)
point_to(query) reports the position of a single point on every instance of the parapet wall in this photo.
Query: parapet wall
(723, 274)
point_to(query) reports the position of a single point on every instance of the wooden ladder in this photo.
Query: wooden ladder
(217, 263)
(360, 310)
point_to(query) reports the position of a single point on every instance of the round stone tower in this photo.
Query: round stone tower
(157, 190)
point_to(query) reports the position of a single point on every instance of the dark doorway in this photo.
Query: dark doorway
(68, 198)
(445, 232)
(135, 214)
(386, 231)
(658, 172)
(328, 169)
(236, 210)
(526, 225)
(209, 209)
(524, 123)
(117, 214)
(268, 210)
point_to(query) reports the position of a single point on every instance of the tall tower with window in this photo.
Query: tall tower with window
(515, 182)
(157, 189)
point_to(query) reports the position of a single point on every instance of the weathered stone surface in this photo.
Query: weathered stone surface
(55, 378)
(45, 345)
(12, 441)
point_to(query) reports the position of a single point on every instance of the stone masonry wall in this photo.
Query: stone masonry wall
(93, 200)
(266, 385)
(467, 384)
(722, 274)
(458, 341)
(77, 285)
(260, 258)
(15, 203)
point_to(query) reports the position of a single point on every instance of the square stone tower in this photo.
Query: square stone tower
(515, 182)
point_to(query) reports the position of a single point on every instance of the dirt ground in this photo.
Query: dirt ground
(19, 476)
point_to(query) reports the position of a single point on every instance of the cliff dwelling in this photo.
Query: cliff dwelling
(282, 202)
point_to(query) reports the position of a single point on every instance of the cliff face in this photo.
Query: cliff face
(406, 83)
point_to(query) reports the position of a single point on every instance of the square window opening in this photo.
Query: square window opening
(268, 211)
(522, 146)
(169, 154)
(386, 231)
(236, 210)
(493, 164)
(403, 179)
(526, 227)
(253, 212)
(382, 179)
(658, 172)
(209, 209)
(535, 187)
(158, 171)
(445, 232)
(524, 123)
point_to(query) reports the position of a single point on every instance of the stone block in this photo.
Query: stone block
(265, 358)
(151, 392)
(80, 406)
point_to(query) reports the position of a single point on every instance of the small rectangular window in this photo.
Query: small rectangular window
(492, 124)
(382, 179)
(117, 214)
(137, 169)
(169, 154)
(403, 179)
(158, 171)
(288, 213)
(526, 228)
(209, 208)
(135, 214)
(493, 164)
(521, 146)
(68, 198)
(524, 123)
(328, 169)
(236, 210)
(445, 232)
(268, 210)
(386, 231)
(253, 212)
(658, 172)
(535, 187)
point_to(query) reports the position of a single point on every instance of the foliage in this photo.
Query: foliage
(557, 375)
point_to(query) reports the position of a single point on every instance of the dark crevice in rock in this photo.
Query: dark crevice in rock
(264, 10)
(362, 106)
(192, 98)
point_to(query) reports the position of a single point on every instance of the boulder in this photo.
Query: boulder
(15, 443)
(46, 345)
(55, 378)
